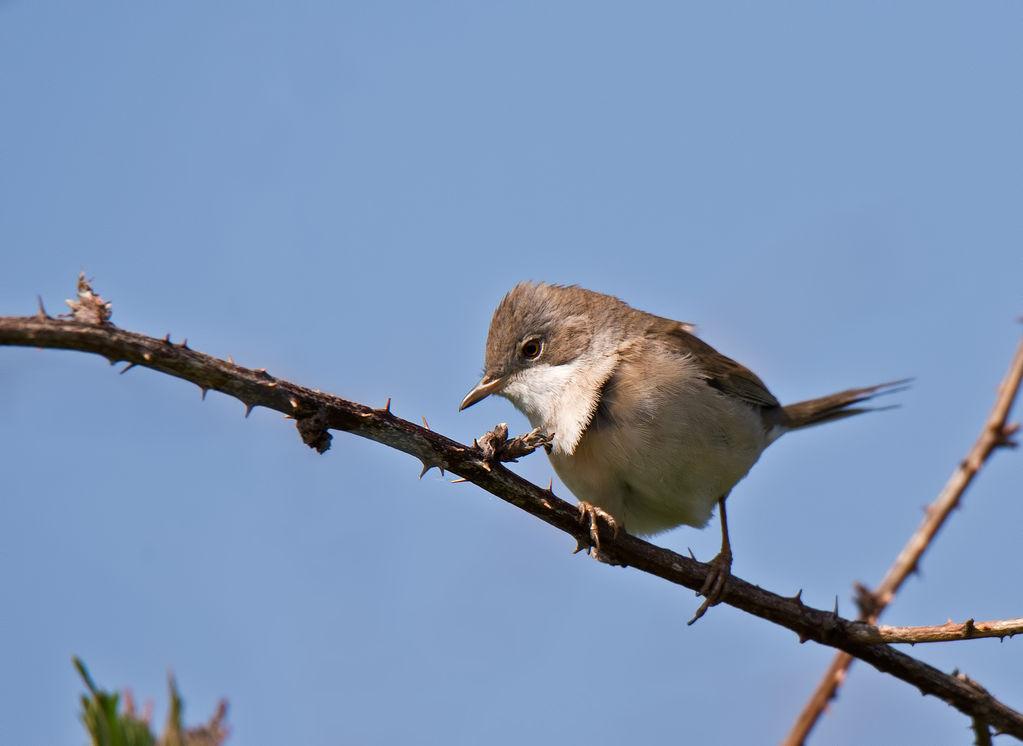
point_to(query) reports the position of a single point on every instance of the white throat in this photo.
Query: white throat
(561, 399)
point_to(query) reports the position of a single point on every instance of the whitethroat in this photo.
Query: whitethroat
(651, 426)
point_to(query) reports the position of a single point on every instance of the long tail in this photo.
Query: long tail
(837, 406)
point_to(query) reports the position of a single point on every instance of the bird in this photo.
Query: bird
(651, 426)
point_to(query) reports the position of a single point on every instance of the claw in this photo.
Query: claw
(592, 513)
(720, 568)
(714, 586)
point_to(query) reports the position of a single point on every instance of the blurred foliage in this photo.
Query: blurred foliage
(108, 727)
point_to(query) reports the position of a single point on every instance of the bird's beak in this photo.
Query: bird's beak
(484, 388)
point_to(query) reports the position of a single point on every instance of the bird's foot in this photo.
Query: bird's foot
(496, 446)
(594, 515)
(714, 586)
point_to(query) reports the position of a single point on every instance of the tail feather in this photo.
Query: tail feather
(838, 406)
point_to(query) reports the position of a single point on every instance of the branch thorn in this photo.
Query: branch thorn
(42, 309)
(1004, 437)
(127, 367)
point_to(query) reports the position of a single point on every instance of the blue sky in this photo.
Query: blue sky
(342, 193)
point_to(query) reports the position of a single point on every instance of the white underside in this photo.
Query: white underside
(670, 449)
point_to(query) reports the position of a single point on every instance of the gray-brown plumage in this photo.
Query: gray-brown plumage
(650, 423)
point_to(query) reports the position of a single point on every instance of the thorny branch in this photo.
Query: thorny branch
(316, 413)
(968, 630)
(997, 432)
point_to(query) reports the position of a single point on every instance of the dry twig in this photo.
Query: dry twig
(948, 632)
(996, 433)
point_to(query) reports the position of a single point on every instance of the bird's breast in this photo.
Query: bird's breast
(655, 468)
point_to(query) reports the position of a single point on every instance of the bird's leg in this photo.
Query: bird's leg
(592, 513)
(720, 568)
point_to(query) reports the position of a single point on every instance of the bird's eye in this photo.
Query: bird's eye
(531, 348)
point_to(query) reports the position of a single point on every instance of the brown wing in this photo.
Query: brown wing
(721, 372)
